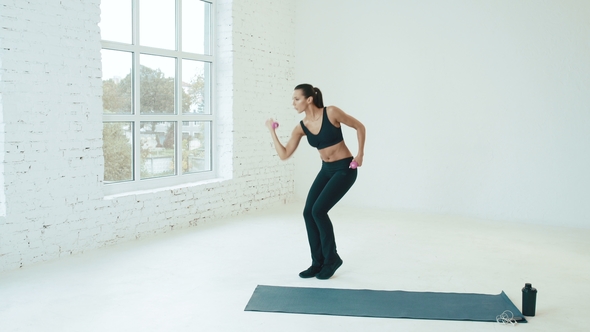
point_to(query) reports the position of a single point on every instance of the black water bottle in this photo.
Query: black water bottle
(529, 300)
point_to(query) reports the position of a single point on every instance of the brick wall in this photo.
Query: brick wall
(52, 202)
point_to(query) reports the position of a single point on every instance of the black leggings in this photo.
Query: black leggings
(330, 185)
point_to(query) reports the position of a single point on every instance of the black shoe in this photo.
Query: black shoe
(328, 270)
(310, 272)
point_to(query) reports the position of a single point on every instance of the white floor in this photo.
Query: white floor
(200, 279)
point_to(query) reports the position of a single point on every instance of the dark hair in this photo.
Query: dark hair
(309, 91)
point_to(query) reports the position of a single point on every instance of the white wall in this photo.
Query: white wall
(472, 108)
(51, 130)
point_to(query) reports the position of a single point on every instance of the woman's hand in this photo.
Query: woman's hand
(269, 123)
(359, 160)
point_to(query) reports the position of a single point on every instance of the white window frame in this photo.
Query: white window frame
(178, 117)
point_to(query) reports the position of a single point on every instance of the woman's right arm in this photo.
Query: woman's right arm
(285, 151)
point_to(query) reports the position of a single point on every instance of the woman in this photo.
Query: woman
(322, 126)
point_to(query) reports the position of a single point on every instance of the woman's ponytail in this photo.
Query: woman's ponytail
(318, 100)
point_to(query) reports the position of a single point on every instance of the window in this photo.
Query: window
(158, 119)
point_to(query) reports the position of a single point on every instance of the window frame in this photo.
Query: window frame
(136, 50)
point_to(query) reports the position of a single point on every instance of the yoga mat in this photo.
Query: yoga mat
(384, 304)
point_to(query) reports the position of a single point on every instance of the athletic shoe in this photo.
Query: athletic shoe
(328, 270)
(310, 272)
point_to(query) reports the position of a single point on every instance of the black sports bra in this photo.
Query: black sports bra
(329, 134)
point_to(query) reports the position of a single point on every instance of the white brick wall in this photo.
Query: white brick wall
(51, 130)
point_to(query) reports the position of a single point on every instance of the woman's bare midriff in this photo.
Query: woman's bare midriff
(335, 152)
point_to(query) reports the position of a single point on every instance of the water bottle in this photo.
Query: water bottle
(529, 300)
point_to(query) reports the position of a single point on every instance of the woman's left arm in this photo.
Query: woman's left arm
(340, 116)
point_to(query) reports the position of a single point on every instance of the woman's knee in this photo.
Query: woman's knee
(307, 213)
(318, 211)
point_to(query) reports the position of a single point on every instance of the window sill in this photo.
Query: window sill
(161, 189)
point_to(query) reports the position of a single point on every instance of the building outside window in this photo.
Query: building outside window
(158, 118)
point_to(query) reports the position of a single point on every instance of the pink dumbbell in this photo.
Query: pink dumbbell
(353, 165)
(275, 125)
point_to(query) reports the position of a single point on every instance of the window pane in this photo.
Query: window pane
(157, 20)
(196, 87)
(116, 82)
(196, 26)
(196, 146)
(115, 20)
(158, 141)
(156, 84)
(118, 151)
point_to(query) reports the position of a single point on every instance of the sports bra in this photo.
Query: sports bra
(329, 134)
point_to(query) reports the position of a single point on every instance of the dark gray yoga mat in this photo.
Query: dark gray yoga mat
(384, 304)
